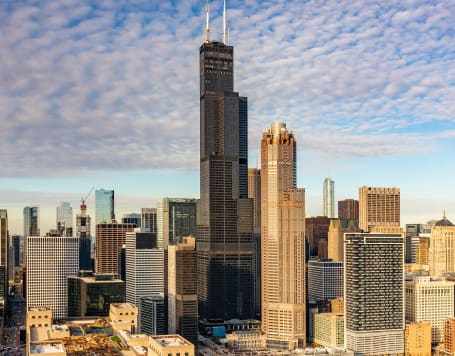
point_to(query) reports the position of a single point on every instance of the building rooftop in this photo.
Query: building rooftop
(123, 305)
(170, 340)
(46, 347)
(444, 221)
(38, 308)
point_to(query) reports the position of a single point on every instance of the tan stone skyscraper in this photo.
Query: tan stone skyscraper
(283, 241)
(441, 254)
(378, 207)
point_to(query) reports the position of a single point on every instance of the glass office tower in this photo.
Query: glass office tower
(104, 206)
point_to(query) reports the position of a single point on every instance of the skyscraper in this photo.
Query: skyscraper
(132, 218)
(148, 219)
(374, 293)
(348, 209)
(254, 193)
(110, 237)
(225, 248)
(182, 289)
(65, 219)
(50, 260)
(104, 206)
(4, 244)
(31, 221)
(83, 232)
(283, 241)
(176, 218)
(378, 207)
(441, 254)
(329, 198)
(325, 280)
(337, 229)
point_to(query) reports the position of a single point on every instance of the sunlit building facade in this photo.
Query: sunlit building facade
(328, 202)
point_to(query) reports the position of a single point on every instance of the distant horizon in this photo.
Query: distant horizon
(106, 94)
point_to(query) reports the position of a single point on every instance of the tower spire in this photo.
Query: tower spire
(224, 24)
(207, 30)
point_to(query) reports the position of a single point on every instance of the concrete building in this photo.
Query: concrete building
(110, 237)
(374, 293)
(165, 345)
(348, 209)
(90, 294)
(104, 206)
(176, 218)
(329, 329)
(283, 241)
(325, 280)
(337, 229)
(417, 338)
(31, 221)
(64, 219)
(124, 316)
(145, 268)
(441, 253)
(328, 202)
(430, 300)
(254, 193)
(316, 229)
(50, 260)
(225, 232)
(378, 207)
(182, 289)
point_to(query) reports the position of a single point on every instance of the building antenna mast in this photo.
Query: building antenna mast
(207, 30)
(224, 24)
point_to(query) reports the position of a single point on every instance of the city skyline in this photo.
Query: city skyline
(85, 102)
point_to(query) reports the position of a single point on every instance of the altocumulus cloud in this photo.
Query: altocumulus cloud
(113, 85)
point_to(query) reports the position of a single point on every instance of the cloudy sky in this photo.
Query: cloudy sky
(105, 93)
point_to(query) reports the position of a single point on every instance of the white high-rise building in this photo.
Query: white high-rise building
(325, 280)
(329, 198)
(432, 300)
(50, 260)
(374, 293)
(144, 267)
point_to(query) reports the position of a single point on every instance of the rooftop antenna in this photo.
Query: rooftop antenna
(224, 24)
(207, 30)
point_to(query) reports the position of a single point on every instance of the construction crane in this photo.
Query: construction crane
(86, 197)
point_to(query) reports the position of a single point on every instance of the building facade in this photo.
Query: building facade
(148, 219)
(348, 209)
(283, 241)
(417, 338)
(225, 245)
(85, 241)
(153, 312)
(325, 280)
(182, 289)
(4, 245)
(110, 237)
(50, 260)
(430, 300)
(91, 294)
(176, 218)
(378, 207)
(337, 229)
(145, 269)
(329, 329)
(316, 229)
(132, 218)
(104, 206)
(31, 221)
(328, 202)
(374, 293)
(441, 253)
(65, 219)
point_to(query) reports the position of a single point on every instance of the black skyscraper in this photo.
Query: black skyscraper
(224, 241)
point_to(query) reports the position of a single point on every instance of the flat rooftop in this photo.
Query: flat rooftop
(124, 305)
(44, 348)
(170, 340)
(36, 309)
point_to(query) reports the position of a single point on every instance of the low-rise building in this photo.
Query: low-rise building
(329, 329)
(417, 338)
(170, 345)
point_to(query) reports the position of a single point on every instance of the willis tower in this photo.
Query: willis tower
(225, 230)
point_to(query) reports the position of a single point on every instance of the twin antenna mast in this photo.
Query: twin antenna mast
(207, 29)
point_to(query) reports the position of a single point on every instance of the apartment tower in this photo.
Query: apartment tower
(348, 209)
(329, 198)
(374, 293)
(225, 246)
(379, 207)
(283, 241)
